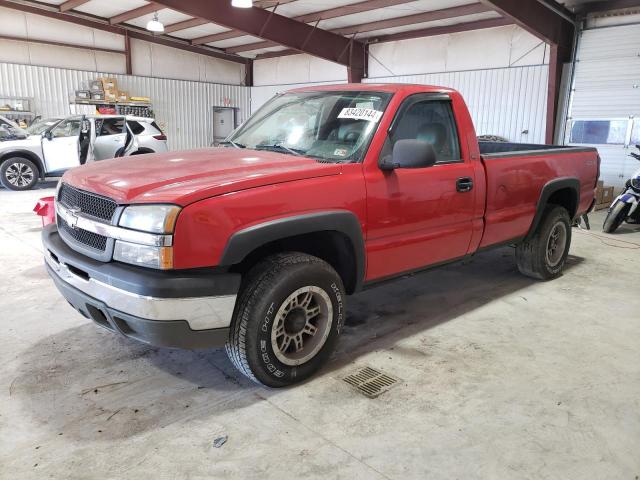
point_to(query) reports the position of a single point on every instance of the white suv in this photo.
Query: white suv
(74, 141)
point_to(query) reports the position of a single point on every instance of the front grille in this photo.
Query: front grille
(89, 239)
(88, 203)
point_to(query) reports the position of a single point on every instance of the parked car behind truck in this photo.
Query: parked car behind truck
(55, 145)
(322, 192)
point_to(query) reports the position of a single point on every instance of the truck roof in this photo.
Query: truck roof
(375, 87)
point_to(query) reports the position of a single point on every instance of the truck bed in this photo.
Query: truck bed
(510, 149)
(516, 174)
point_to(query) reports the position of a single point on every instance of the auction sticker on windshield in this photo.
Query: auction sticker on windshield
(361, 114)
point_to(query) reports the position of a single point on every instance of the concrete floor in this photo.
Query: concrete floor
(502, 377)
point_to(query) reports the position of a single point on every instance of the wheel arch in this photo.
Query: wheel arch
(564, 192)
(25, 154)
(334, 236)
(143, 151)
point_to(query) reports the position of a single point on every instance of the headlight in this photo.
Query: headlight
(150, 218)
(158, 219)
(144, 255)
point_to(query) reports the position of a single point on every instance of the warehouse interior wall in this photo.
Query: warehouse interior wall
(148, 59)
(183, 109)
(502, 72)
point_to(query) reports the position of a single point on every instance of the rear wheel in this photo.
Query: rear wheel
(289, 314)
(544, 254)
(615, 217)
(18, 173)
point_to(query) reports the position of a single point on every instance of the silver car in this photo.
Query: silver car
(74, 141)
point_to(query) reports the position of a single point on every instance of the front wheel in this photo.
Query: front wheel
(543, 255)
(286, 324)
(615, 217)
(18, 173)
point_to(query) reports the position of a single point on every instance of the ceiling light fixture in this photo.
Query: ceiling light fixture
(154, 25)
(242, 3)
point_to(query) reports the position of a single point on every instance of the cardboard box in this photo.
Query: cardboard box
(607, 195)
(123, 96)
(97, 95)
(109, 83)
(83, 94)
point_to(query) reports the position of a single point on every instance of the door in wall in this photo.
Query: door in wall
(224, 122)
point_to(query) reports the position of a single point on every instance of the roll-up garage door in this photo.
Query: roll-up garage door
(604, 109)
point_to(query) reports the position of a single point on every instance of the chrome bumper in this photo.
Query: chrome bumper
(200, 312)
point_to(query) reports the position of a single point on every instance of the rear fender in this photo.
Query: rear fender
(566, 183)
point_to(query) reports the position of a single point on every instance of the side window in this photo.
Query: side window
(135, 127)
(431, 121)
(66, 128)
(112, 126)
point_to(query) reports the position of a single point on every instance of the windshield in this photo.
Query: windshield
(40, 126)
(330, 126)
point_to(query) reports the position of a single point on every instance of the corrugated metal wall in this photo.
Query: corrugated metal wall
(607, 87)
(510, 102)
(183, 108)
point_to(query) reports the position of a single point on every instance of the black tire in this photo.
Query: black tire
(263, 296)
(615, 217)
(19, 173)
(536, 256)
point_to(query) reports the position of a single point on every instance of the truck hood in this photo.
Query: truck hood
(186, 177)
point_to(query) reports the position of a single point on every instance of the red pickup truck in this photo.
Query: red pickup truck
(322, 192)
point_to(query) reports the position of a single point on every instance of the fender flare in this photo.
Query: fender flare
(25, 154)
(549, 189)
(243, 242)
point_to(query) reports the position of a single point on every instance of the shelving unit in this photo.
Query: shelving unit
(17, 108)
(138, 109)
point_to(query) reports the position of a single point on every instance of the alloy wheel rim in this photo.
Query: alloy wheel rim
(556, 244)
(19, 174)
(302, 325)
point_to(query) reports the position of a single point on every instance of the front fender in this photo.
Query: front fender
(245, 241)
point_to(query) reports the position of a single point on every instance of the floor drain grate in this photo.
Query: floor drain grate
(370, 382)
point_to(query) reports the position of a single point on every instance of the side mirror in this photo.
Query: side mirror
(410, 154)
(48, 135)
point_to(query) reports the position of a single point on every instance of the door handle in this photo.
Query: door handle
(464, 184)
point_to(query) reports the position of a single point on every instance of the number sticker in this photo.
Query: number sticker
(361, 114)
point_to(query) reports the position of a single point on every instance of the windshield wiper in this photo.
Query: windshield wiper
(233, 144)
(279, 148)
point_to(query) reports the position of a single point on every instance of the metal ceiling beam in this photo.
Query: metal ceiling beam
(431, 32)
(543, 18)
(135, 13)
(420, 33)
(192, 22)
(351, 9)
(71, 4)
(423, 17)
(50, 11)
(60, 44)
(275, 28)
(217, 37)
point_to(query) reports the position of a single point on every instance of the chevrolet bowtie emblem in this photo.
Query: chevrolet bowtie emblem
(72, 217)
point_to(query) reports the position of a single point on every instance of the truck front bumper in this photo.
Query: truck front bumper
(182, 309)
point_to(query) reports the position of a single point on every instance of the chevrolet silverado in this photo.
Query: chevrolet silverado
(322, 192)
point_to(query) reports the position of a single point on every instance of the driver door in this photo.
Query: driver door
(60, 145)
(111, 137)
(420, 216)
